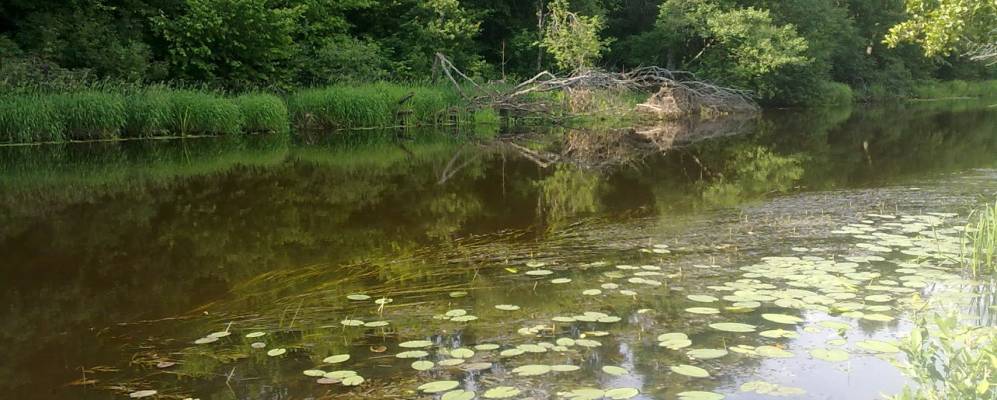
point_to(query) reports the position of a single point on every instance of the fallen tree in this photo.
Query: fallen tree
(678, 94)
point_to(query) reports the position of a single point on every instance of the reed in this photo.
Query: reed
(263, 113)
(147, 113)
(201, 113)
(91, 114)
(29, 118)
(980, 242)
(374, 105)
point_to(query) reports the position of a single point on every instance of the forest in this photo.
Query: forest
(787, 52)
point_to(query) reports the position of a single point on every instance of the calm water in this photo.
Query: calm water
(118, 257)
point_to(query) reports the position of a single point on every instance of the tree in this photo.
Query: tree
(239, 43)
(572, 39)
(942, 27)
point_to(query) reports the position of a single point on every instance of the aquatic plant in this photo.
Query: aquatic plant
(374, 105)
(201, 113)
(147, 113)
(949, 360)
(980, 242)
(29, 118)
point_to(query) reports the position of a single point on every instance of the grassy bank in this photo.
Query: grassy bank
(980, 242)
(92, 114)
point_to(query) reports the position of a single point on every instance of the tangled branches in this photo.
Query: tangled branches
(695, 93)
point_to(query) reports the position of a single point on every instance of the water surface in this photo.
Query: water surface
(118, 257)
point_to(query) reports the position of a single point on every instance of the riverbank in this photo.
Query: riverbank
(115, 113)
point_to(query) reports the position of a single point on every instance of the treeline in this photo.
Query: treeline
(787, 51)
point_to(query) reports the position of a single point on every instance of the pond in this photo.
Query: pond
(752, 259)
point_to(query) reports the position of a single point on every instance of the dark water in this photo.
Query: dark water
(117, 257)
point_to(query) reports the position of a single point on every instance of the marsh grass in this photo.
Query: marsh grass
(201, 113)
(954, 89)
(980, 242)
(29, 118)
(373, 105)
(147, 113)
(91, 114)
(263, 113)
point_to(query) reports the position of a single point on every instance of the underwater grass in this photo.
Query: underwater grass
(980, 242)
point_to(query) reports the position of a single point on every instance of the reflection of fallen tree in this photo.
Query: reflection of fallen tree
(629, 146)
(678, 93)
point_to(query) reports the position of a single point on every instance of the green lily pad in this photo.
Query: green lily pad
(458, 395)
(501, 392)
(698, 395)
(423, 365)
(354, 380)
(439, 386)
(779, 333)
(733, 327)
(412, 354)
(773, 352)
(276, 352)
(706, 354)
(358, 297)
(415, 344)
(592, 292)
(507, 307)
(336, 359)
(564, 368)
(252, 335)
(462, 353)
(351, 322)
(142, 393)
(622, 393)
(782, 319)
(486, 347)
(314, 373)
(585, 394)
(689, 370)
(339, 375)
(614, 370)
(703, 310)
(700, 298)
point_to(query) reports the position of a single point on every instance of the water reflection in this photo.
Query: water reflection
(254, 231)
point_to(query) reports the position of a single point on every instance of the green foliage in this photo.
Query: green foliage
(980, 242)
(28, 118)
(341, 59)
(147, 113)
(572, 39)
(955, 88)
(263, 113)
(941, 27)
(91, 114)
(950, 361)
(240, 43)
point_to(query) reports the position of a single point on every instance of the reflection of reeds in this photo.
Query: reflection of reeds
(980, 242)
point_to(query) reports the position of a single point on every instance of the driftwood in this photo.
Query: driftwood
(694, 95)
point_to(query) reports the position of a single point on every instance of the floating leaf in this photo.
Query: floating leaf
(351, 322)
(458, 395)
(358, 297)
(706, 354)
(276, 352)
(772, 389)
(252, 335)
(486, 347)
(336, 359)
(700, 298)
(507, 307)
(412, 354)
(142, 393)
(314, 372)
(422, 365)
(564, 368)
(501, 392)
(450, 362)
(733, 327)
(560, 280)
(587, 343)
(481, 366)
(779, 333)
(510, 353)
(439, 386)
(354, 380)
(220, 335)
(592, 292)
(457, 294)
(703, 310)
(339, 375)
(782, 319)
(622, 393)
(206, 340)
(258, 345)
(376, 324)
(462, 353)
(614, 370)
(585, 394)
(384, 300)
(415, 344)
(698, 395)
(456, 313)
(689, 370)
(773, 352)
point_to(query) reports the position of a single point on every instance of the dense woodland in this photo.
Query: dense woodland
(786, 51)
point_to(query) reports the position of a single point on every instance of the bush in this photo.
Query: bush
(29, 118)
(199, 113)
(147, 113)
(833, 94)
(263, 113)
(91, 115)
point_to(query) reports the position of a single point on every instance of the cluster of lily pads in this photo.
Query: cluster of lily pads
(897, 257)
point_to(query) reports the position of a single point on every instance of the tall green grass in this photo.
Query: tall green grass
(147, 113)
(29, 118)
(91, 114)
(263, 113)
(200, 113)
(980, 242)
(372, 105)
(956, 88)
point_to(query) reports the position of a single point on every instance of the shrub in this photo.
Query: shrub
(91, 115)
(263, 113)
(199, 113)
(29, 118)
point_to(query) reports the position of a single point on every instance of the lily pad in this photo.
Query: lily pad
(773, 352)
(782, 319)
(439, 386)
(423, 365)
(354, 380)
(689, 370)
(142, 393)
(507, 307)
(700, 298)
(458, 395)
(614, 370)
(501, 392)
(531, 370)
(779, 333)
(706, 354)
(412, 354)
(699, 395)
(358, 297)
(314, 373)
(336, 359)
(462, 353)
(252, 335)
(703, 310)
(733, 327)
(622, 393)
(276, 352)
(415, 344)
